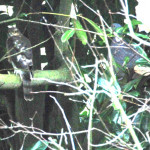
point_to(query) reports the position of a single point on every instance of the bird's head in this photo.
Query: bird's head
(116, 27)
(13, 31)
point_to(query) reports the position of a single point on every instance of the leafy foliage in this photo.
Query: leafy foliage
(79, 31)
(40, 145)
(67, 35)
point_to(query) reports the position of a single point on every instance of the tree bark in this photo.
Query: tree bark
(61, 53)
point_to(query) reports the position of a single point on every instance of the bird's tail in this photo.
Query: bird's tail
(27, 87)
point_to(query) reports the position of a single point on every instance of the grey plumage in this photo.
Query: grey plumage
(20, 56)
(121, 49)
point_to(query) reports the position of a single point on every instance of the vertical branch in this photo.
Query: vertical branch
(92, 99)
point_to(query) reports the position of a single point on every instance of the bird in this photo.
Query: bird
(120, 50)
(21, 57)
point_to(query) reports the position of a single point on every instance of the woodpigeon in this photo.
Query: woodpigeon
(121, 50)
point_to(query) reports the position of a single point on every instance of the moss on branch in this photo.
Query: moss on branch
(11, 81)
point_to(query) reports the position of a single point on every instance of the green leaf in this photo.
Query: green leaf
(142, 35)
(131, 84)
(123, 104)
(40, 145)
(134, 93)
(85, 112)
(116, 118)
(126, 136)
(101, 97)
(109, 85)
(97, 28)
(23, 15)
(117, 66)
(126, 60)
(119, 31)
(135, 22)
(140, 49)
(142, 121)
(142, 62)
(123, 30)
(67, 35)
(80, 34)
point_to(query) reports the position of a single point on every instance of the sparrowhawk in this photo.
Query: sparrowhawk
(20, 56)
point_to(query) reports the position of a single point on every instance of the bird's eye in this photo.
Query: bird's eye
(23, 57)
